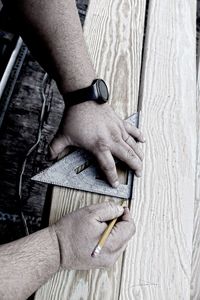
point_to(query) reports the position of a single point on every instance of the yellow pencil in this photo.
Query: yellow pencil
(105, 235)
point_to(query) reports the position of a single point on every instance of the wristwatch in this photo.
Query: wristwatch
(97, 92)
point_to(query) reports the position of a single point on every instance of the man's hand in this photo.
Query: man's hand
(97, 128)
(78, 233)
(29, 262)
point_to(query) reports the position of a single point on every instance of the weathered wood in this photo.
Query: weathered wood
(157, 263)
(114, 34)
(195, 283)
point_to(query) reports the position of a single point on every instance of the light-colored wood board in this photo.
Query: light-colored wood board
(157, 262)
(195, 282)
(114, 34)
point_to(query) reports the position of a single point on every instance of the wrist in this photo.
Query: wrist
(97, 91)
(76, 83)
(55, 247)
(63, 233)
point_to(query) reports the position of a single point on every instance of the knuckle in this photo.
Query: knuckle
(113, 177)
(109, 167)
(141, 153)
(137, 147)
(131, 154)
(116, 137)
(125, 135)
(112, 206)
(102, 145)
(89, 211)
(135, 161)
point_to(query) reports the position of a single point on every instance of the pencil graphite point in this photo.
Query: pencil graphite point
(96, 251)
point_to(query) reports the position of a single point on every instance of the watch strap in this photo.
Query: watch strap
(82, 95)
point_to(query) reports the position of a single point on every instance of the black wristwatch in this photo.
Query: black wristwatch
(97, 92)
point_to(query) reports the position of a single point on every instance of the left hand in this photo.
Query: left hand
(99, 129)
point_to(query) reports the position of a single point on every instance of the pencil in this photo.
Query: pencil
(105, 235)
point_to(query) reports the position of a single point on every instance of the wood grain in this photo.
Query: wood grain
(157, 263)
(195, 284)
(114, 34)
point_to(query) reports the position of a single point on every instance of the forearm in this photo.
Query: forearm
(27, 263)
(53, 32)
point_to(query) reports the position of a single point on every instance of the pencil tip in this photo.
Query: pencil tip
(96, 251)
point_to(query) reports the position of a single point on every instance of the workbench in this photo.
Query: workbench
(150, 66)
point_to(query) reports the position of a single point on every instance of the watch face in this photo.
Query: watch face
(103, 90)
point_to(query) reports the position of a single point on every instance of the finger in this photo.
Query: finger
(134, 131)
(107, 211)
(126, 215)
(118, 253)
(107, 165)
(57, 145)
(121, 234)
(132, 143)
(126, 154)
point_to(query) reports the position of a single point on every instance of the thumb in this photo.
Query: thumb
(108, 211)
(57, 145)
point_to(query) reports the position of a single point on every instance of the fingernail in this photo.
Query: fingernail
(115, 184)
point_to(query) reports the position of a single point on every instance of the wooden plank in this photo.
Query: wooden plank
(157, 263)
(114, 34)
(195, 284)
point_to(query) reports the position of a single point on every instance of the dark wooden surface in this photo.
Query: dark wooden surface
(17, 135)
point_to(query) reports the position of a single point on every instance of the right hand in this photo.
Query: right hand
(78, 233)
(98, 129)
